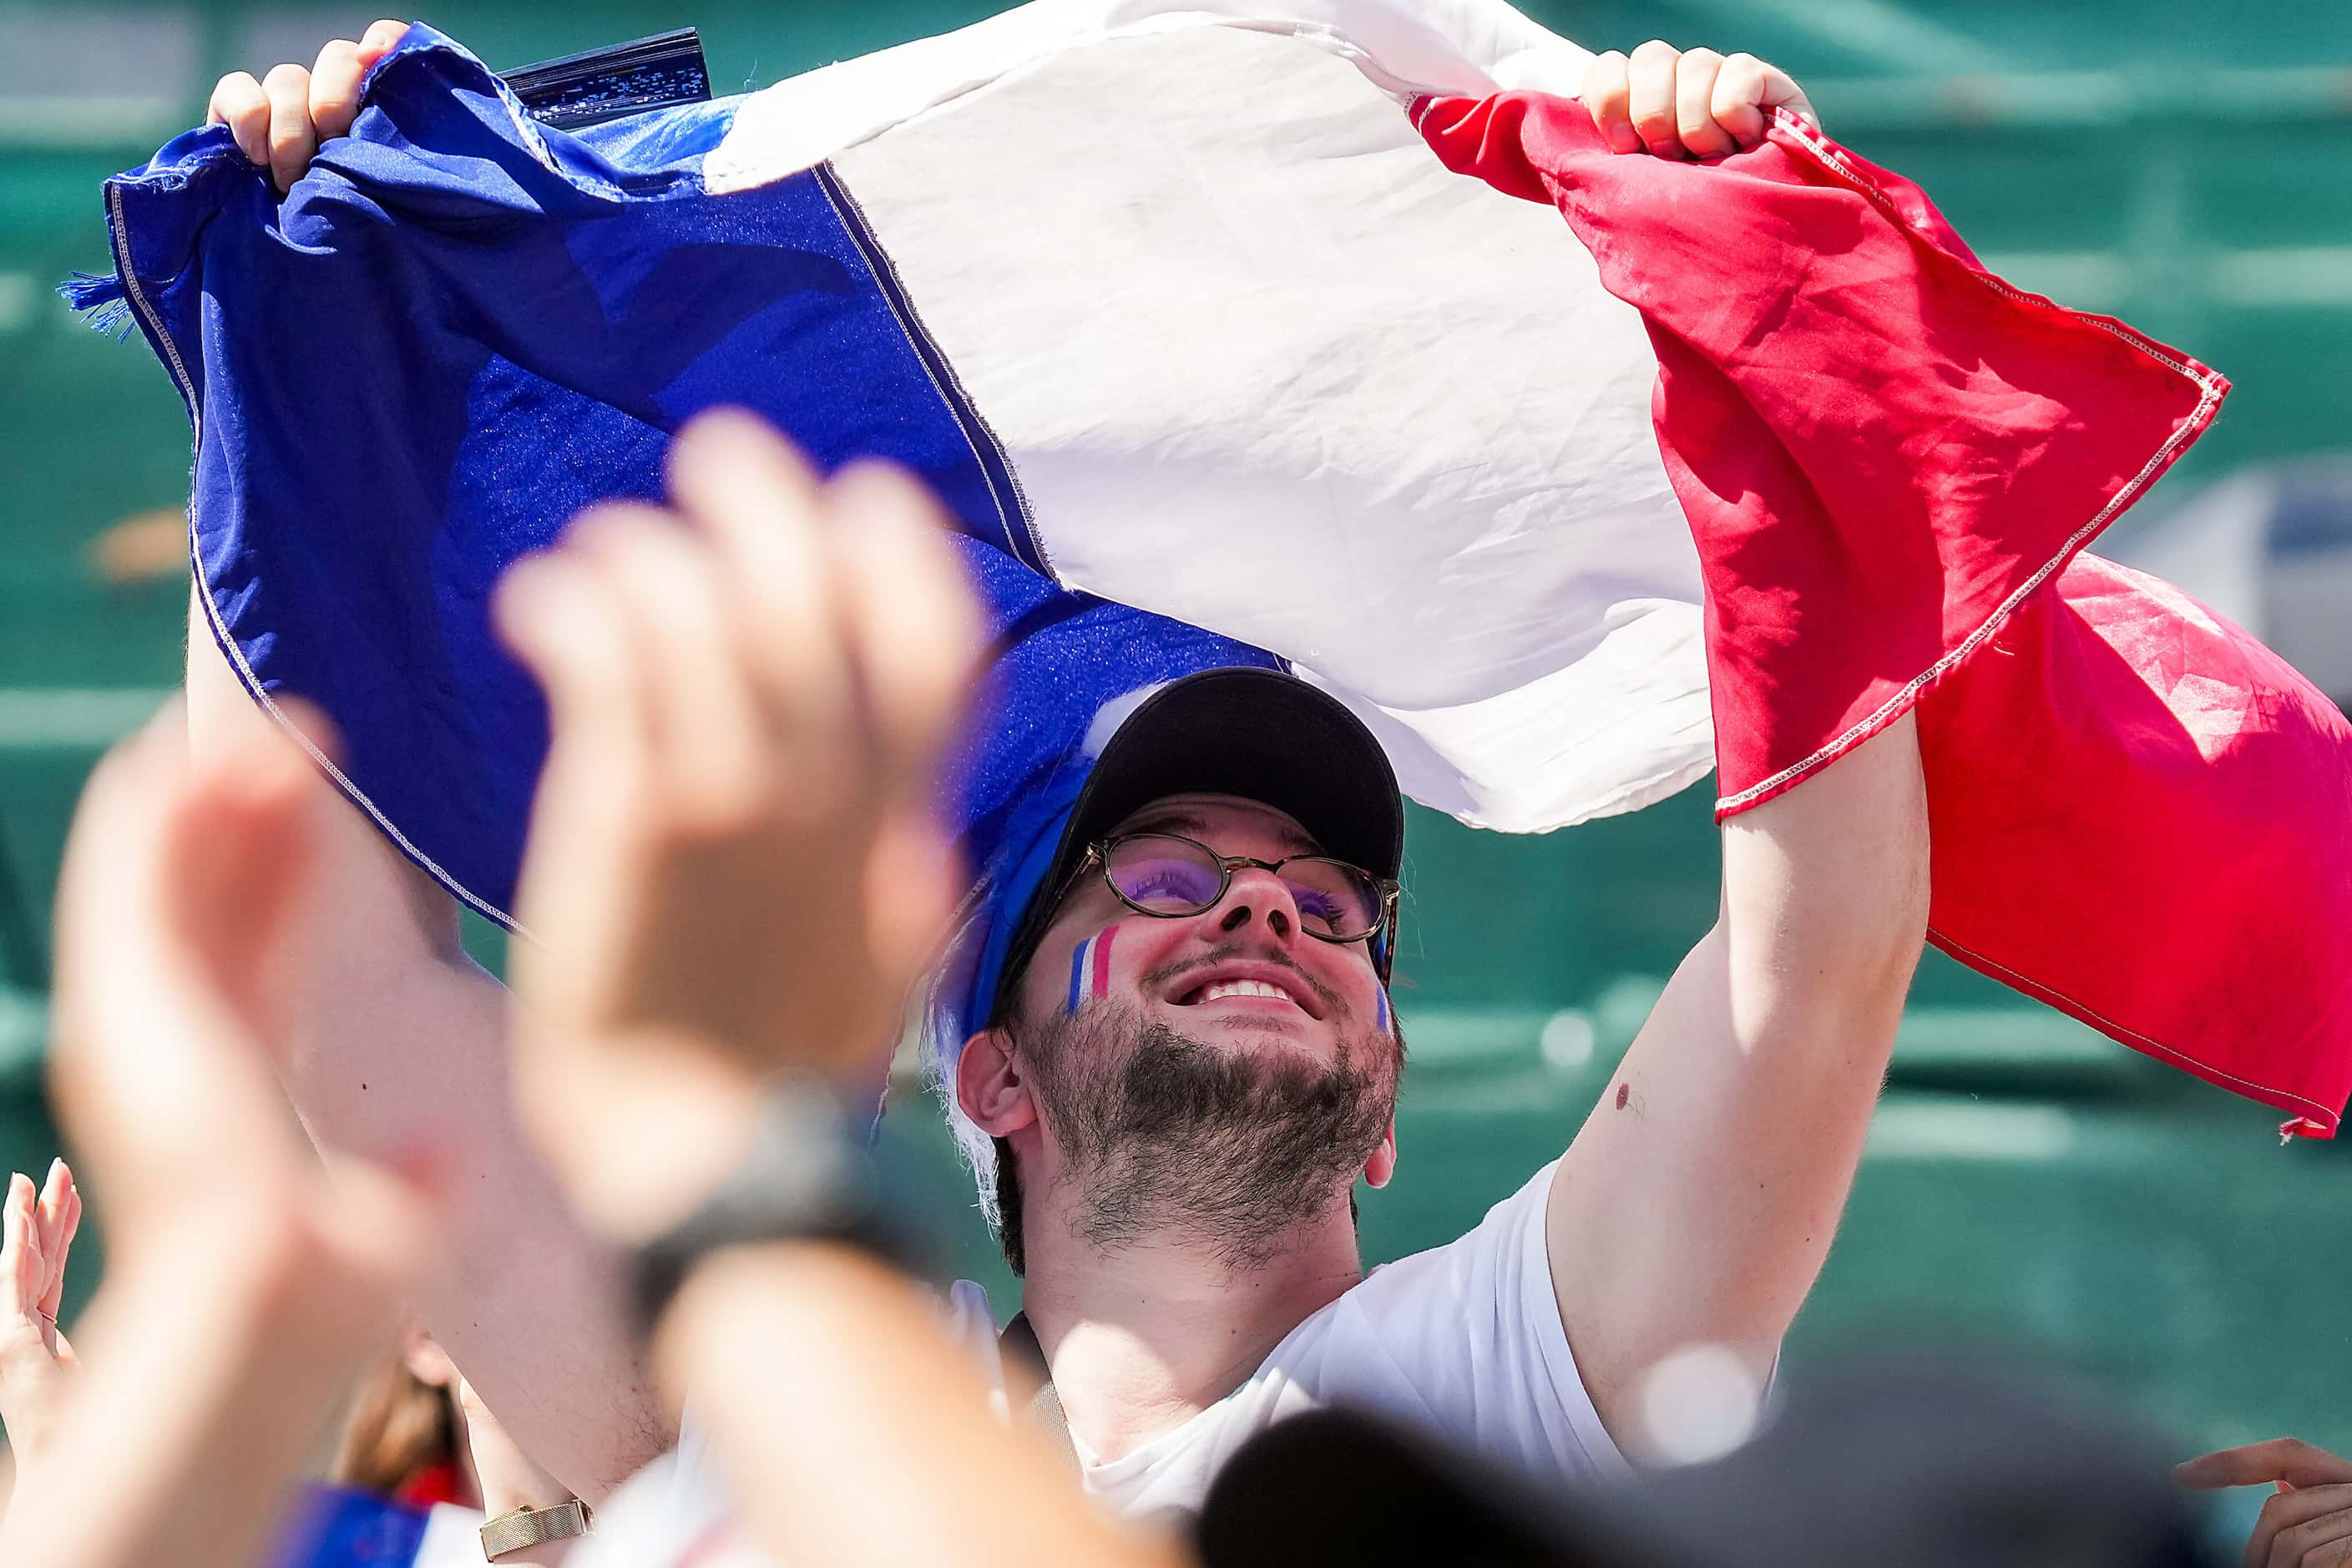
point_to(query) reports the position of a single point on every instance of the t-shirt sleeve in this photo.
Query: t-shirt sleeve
(1465, 1341)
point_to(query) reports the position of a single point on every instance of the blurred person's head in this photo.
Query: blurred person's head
(1182, 1042)
(405, 1436)
(1941, 1461)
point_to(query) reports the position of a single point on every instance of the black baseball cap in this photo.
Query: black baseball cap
(1261, 734)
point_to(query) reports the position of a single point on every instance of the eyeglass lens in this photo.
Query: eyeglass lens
(1166, 875)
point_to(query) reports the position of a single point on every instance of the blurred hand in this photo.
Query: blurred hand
(244, 1284)
(36, 1364)
(2309, 1523)
(279, 120)
(1695, 104)
(732, 866)
(180, 886)
(190, 879)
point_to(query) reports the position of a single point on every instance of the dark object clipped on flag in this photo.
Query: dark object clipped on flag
(657, 72)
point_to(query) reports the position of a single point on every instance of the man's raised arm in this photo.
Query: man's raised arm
(1697, 1203)
(400, 1049)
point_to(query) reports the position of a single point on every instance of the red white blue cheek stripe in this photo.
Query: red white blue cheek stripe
(1380, 1009)
(1090, 967)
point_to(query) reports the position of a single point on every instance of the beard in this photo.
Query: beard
(1163, 1132)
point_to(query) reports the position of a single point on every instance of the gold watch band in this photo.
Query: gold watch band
(520, 1527)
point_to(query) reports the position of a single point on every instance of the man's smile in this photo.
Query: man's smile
(1257, 986)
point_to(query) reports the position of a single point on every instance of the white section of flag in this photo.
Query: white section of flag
(1407, 45)
(1261, 364)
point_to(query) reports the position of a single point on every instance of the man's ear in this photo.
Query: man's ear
(989, 1085)
(1381, 1165)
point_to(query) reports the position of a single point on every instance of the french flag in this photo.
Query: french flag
(1321, 333)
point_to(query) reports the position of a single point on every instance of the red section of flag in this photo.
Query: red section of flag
(2144, 816)
(1888, 458)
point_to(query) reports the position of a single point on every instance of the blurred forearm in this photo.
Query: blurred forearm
(827, 1381)
(397, 1048)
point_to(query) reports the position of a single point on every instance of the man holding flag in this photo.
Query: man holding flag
(1193, 1059)
(1164, 1028)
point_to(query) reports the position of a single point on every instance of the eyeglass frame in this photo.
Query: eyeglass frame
(1391, 891)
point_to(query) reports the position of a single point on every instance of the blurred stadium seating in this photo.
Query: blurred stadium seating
(2182, 163)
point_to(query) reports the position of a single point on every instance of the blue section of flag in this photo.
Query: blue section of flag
(460, 327)
(337, 1527)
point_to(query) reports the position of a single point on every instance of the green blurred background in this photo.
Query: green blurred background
(2184, 164)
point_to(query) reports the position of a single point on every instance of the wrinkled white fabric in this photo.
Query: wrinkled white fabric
(1259, 362)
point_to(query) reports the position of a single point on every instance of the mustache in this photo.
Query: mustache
(1332, 1001)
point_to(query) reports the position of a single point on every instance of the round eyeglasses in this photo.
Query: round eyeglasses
(1169, 876)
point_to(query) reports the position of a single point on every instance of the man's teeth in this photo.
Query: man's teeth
(1243, 988)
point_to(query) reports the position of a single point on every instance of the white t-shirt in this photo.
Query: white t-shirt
(452, 1539)
(1463, 1342)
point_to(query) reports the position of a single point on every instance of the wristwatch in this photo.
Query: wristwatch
(806, 1176)
(519, 1528)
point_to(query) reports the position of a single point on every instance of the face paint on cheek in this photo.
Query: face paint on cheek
(1380, 1009)
(1090, 967)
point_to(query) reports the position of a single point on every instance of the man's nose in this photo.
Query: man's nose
(1259, 897)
